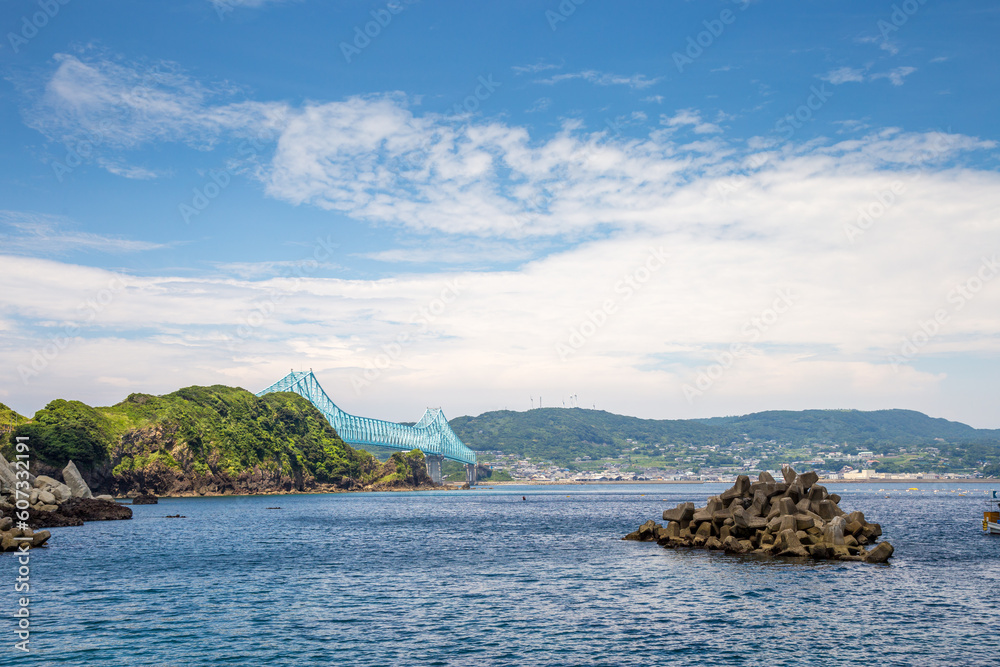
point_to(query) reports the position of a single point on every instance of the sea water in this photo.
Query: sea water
(511, 575)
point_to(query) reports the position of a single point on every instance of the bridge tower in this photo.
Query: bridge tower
(434, 467)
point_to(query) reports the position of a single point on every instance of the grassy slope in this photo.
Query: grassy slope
(9, 418)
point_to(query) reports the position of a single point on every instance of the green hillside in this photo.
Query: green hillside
(220, 432)
(9, 419)
(562, 435)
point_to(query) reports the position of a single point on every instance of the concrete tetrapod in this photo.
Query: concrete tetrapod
(795, 518)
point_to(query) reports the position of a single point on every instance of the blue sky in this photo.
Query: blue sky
(670, 209)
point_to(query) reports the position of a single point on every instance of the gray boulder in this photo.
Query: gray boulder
(74, 480)
(43, 481)
(62, 493)
(46, 497)
(8, 480)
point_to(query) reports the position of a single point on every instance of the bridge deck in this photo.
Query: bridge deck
(431, 434)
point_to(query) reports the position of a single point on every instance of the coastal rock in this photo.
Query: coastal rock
(77, 510)
(43, 481)
(46, 497)
(145, 499)
(8, 479)
(61, 492)
(802, 521)
(74, 480)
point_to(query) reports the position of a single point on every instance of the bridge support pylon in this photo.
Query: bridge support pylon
(434, 467)
(470, 473)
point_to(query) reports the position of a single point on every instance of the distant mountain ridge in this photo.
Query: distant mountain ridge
(851, 424)
(562, 434)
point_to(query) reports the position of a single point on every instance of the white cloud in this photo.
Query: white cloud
(638, 81)
(895, 75)
(540, 66)
(736, 230)
(112, 107)
(40, 234)
(690, 117)
(781, 229)
(884, 43)
(844, 75)
(854, 75)
(223, 5)
(541, 104)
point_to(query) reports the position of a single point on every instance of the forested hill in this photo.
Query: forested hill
(562, 434)
(214, 439)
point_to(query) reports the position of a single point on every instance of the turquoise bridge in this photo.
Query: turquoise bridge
(432, 434)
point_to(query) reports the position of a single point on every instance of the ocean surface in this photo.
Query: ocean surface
(483, 577)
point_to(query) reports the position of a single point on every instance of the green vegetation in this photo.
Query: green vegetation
(9, 419)
(501, 476)
(596, 438)
(218, 429)
(561, 434)
(406, 468)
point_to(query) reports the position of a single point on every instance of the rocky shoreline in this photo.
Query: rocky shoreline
(796, 518)
(49, 504)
